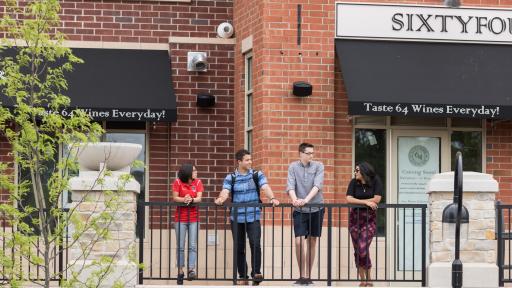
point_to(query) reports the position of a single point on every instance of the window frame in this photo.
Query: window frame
(248, 101)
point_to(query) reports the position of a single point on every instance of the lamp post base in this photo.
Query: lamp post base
(456, 273)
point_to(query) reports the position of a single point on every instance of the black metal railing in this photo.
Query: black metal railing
(504, 239)
(397, 256)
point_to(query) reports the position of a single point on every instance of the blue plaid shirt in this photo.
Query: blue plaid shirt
(245, 192)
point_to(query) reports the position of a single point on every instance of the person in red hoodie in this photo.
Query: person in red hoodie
(187, 189)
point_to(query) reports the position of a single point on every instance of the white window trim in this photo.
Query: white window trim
(248, 93)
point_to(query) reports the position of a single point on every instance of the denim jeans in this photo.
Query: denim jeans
(253, 231)
(182, 228)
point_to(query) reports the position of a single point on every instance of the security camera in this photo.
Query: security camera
(225, 30)
(197, 61)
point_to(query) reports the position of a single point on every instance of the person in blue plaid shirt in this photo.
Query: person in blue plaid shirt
(243, 186)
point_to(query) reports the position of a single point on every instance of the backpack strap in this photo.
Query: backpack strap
(233, 179)
(256, 179)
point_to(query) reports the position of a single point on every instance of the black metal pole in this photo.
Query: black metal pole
(329, 246)
(457, 264)
(141, 209)
(499, 216)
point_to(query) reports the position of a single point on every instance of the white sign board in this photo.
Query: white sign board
(418, 161)
(423, 23)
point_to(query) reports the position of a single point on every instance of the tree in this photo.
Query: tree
(32, 84)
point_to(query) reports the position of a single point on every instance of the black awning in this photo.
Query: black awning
(427, 79)
(122, 85)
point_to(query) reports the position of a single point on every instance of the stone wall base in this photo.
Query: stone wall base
(474, 275)
(124, 273)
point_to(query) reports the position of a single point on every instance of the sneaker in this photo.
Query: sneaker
(242, 282)
(308, 281)
(179, 281)
(191, 275)
(256, 279)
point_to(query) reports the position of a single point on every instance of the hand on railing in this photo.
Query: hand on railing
(219, 201)
(371, 204)
(298, 202)
(187, 199)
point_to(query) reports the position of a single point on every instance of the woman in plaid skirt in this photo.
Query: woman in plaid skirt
(365, 189)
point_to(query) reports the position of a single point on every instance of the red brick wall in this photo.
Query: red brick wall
(5, 150)
(342, 137)
(247, 21)
(142, 21)
(499, 157)
(203, 136)
(282, 121)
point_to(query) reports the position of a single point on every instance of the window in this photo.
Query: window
(248, 103)
(370, 146)
(470, 144)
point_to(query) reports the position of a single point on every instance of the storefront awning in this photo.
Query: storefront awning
(122, 85)
(427, 79)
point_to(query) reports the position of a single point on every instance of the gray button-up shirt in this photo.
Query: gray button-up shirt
(303, 178)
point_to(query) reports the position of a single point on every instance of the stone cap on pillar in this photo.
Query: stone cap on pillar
(106, 183)
(472, 182)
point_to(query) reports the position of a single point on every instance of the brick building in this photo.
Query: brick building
(361, 85)
(164, 32)
(276, 47)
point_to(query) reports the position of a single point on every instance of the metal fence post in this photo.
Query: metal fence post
(423, 246)
(234, 225)
(141, 228)
(499, 232)
(329, 246)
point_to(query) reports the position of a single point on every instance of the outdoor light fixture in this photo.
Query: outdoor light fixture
(302, 89)
(205, 100)
(197, 61)
(452, 3)
(454, 215)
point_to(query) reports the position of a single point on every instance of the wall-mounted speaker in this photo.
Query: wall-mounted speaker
(302, 89)
(205, 100)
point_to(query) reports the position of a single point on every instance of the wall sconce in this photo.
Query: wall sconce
(302, 89)
(197, 61)
(205, 100)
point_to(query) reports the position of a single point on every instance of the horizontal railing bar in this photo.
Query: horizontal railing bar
(332, 205)
(285, 279)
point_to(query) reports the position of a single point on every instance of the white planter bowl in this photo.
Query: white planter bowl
(116, 156)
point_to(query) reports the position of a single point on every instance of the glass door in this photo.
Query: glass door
(416, 156)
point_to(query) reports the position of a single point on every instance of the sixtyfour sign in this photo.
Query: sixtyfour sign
(431, 24)
(420, 23)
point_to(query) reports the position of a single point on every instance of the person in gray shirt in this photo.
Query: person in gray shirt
(305, 181)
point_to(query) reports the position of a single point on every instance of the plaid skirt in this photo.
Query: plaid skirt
(362, 228)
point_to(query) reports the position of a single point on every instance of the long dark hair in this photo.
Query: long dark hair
(367, 171)
(185, 172)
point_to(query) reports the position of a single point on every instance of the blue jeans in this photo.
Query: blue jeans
(181, 231)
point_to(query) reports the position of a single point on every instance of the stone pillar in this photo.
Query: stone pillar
(478, 252)
(104, 202)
